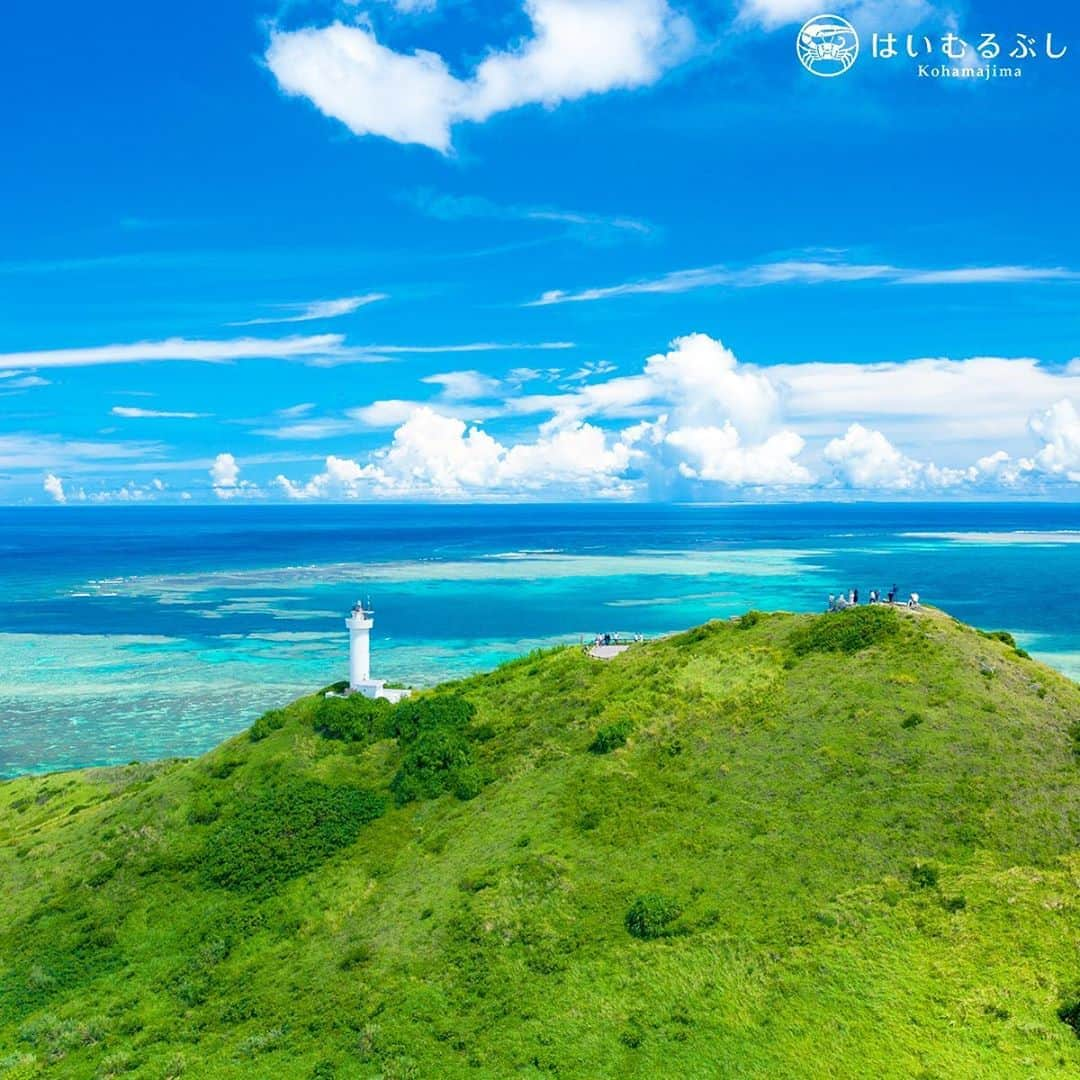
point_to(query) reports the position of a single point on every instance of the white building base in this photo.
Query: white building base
(377, 688)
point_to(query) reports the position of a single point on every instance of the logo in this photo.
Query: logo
(827, 45)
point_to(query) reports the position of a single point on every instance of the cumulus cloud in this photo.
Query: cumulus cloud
(577, 47)
(1059, 428)
(226, 482)
(707, 419)
(54, 488)
(695, 418)
(342, 478)
(441, 456)
(865, 459)
(716, 454)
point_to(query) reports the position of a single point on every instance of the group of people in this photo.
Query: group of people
(614, 639)
(851, 599)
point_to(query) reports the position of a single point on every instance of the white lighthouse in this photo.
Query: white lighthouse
(360, 621)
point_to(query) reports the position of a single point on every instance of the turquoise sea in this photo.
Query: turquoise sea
(135, 633)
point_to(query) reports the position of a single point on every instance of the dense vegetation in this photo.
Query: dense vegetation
(784, 846)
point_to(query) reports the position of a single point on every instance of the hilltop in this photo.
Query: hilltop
(843, 845)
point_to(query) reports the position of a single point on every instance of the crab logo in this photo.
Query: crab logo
(827, 45)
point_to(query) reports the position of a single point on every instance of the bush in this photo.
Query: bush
(649, 916)
(469, 781)
(268, 723)
(924, 876)
(1069, 1013)
(413, 716)
(283, 831)
(352, 719)
(999, 635)
(912, 720)
(848, 631)
(431, 765)
(749, 620)
(611, 737)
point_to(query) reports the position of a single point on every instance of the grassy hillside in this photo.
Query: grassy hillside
(788, 846)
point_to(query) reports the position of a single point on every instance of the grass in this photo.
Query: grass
(831, 846)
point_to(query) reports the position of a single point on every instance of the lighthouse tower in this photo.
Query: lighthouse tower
(360, 621)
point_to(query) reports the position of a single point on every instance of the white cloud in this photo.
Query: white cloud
(226, 481)
(701, 420)
(318, 428)
(465, 385)
(129, 412)
(15, 379)
(717, 454)
(866, 460)
(224, 473)
(928, 399)
(803, 272)
(589, 226)
(318, 309)
(577, 47)
(341, 478)
(294, 411)
(379, 353)
(978, 275)
(179, 349)
(385, 414)
(54, 488)
(432, 455)
(53, 453)
(1059, 428)
(677, 281)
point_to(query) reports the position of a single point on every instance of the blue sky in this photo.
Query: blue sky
(571, 249)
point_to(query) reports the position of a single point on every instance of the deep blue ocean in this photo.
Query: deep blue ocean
(135, 633)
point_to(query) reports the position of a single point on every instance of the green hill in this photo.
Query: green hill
(787, 846)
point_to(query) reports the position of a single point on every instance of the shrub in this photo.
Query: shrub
(285, 830)
(924, 876)
(1069, 1013)
(999, 635)
(355, 956)
(351, 719)
(268, 723)
(203, 810)
(469, 781)
(431, 764)
(649, 916)
(223, 768)
(610, 737)
(848, 631)
(413, 716)
(749, 620)
(912, 720)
